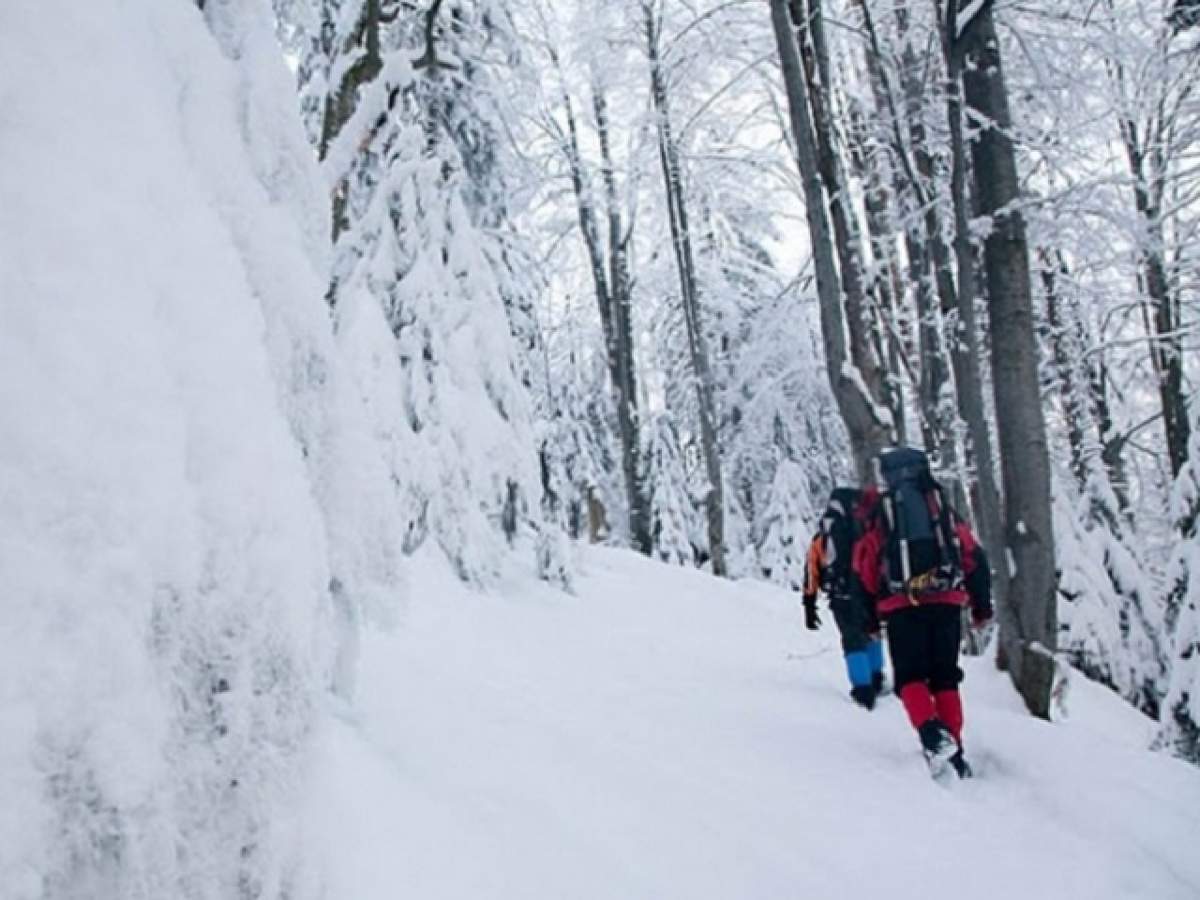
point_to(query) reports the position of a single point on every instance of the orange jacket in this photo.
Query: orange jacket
(812, 566)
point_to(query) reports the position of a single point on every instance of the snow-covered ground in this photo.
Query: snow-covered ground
(664, 734)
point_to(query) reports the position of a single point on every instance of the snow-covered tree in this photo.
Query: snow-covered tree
(1111, 623)
(581, 439)
(1108, 627)
(414, 202)
(674, 519)
(787, 523)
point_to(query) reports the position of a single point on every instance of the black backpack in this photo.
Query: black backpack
(922, 550)
(840, 530)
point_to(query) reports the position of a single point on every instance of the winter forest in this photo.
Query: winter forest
(362, 358)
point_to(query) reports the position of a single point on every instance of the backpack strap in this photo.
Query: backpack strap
(895, 526)
(949, 545)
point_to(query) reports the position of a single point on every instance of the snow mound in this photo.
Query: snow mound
(185, 484)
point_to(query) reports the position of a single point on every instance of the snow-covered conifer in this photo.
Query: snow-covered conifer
(675, 524)
(409, 222)
(1109, 626)
(787, 524)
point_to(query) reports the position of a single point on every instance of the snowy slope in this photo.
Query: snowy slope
(662, 734)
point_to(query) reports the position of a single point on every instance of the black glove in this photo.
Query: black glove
(811, 620)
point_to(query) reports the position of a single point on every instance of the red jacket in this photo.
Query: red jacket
(868, 567)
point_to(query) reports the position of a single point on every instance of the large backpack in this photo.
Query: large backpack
(922, 552)
(840, 530)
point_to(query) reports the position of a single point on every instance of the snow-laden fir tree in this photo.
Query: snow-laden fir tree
(787, 524)
(675, 522)
(582, 440)
(742, 556)
(410, 206)
(779, 412)
(1107, 626)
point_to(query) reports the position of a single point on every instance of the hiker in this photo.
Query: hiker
(919, 565)
(828, 570)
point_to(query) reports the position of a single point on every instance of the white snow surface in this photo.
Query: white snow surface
(665, 734)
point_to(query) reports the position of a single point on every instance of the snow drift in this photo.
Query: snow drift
(664, 733)
(186, 531)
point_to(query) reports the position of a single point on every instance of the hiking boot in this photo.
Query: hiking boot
(961, 767)
(863, 695)
(937, 743)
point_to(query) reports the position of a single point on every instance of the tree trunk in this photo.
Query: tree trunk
(1164, 317)
(1112, 445)
(867, 425)
(894, 344)
(624, 367)
(966, 352)
(1076, 414)
(618, 342)
(865, 353)
(1084, 382)
(1030, 633)
(936, 274)
(937, 426)
(681, 242)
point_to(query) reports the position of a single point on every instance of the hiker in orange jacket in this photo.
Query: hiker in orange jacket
(828, 569)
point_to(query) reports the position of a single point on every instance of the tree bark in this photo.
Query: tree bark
(1029, 633)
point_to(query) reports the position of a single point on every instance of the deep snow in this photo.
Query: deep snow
(664, 734)
(191, 532)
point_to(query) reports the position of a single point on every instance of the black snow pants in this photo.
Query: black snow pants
(923, 642)
(856, 621)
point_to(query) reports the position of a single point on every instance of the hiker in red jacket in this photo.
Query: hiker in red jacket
(920, 565)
